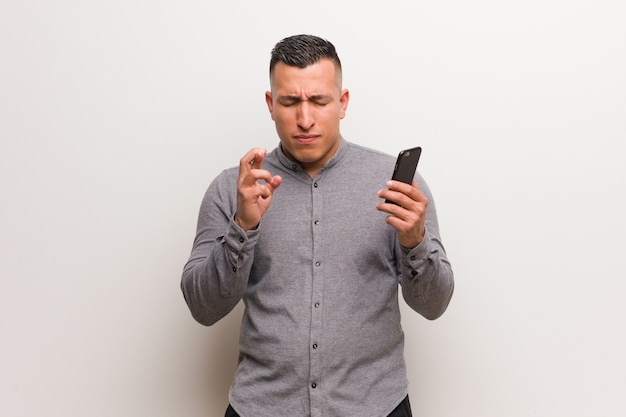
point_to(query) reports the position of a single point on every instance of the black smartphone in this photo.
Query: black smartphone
(406, 164)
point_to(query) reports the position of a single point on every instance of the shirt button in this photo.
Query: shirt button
(317, 222)
(314, 346)
(234, 269)
(413, 257)
(314, 385)
(294, 166)
(315, 185)
(414, 273)
(241, 239)
(316, 305)
(317, 264)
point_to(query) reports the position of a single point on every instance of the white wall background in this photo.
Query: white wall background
(116, 115)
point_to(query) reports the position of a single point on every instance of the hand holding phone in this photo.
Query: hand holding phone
(406, 165)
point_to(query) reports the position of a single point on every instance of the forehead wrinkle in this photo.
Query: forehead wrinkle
(338, 76)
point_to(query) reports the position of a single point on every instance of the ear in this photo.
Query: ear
(270, 103)
(344, 98)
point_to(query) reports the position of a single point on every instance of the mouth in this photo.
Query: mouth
(305, 139)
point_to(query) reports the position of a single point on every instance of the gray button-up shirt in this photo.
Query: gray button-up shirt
(321, 333)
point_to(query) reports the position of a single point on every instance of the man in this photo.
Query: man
(303, 235)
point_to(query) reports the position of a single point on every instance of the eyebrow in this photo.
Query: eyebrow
(295, 98)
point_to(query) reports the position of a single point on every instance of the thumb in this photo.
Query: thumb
(275, 182)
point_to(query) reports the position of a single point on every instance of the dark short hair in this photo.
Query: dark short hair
(303, 50)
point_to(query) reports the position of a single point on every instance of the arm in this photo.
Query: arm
(426, 275)
(216, 274)
(427, 279)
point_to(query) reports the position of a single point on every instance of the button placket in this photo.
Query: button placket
(316, 297)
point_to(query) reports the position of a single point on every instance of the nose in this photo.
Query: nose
(305, 117)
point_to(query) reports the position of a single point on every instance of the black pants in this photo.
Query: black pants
(402, 410)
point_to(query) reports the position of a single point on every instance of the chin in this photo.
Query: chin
(305, 159)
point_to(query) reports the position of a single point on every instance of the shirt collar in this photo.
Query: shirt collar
(295, 166)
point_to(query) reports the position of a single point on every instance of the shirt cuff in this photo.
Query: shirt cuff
(240, 241)
(416, 258)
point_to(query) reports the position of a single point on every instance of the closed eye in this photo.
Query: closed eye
(288, 100)
(320, 100)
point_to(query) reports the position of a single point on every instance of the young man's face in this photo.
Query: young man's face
(306, 105)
